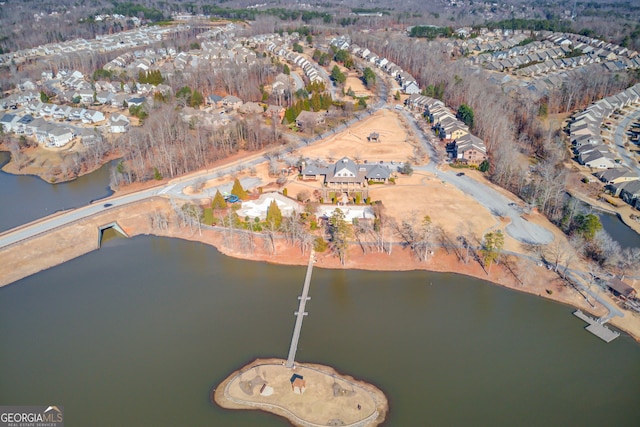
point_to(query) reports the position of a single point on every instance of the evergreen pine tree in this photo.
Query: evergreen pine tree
(218, 201)
(238, 190)
(274, 215)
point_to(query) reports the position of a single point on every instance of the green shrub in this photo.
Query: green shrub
(320, 245)
(208, 216)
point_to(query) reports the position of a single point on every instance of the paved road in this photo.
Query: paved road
(174, 188)
(579, 278)
(519, 228)
(499, 205)
(297, 81)
(618, 138)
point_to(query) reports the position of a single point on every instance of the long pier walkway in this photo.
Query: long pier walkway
(300, 313)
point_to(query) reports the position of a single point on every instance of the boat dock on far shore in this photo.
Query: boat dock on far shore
(597, 328)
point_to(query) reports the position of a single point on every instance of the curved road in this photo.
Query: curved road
(618, 139)
(498, 204)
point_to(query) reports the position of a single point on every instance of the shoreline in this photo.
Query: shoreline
(80, 238)
(363, 405)
(10, 168)
(623, 217)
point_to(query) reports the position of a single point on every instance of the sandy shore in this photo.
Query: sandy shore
(34, 255)
(409, 198)
(322, 397)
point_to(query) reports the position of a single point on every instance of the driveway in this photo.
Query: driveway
(499, 205)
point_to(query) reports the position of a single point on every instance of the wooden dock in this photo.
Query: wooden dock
(300, 313)
(596, 328)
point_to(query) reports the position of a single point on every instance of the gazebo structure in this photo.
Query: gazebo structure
(298, 384)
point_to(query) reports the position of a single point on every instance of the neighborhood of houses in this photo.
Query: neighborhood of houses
(407, 82)
(585, 133)
(280, 46)
(55, 125)
(539, 66)
(133, 39)
(461, 144)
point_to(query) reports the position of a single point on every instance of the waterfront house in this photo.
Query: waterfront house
(621, 289)
(630, 192)
(118, 123)
(58, 136)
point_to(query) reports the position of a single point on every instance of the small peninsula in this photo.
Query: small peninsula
(306, 395)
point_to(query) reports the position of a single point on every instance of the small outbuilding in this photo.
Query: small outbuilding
(619, 288)
(374, 137)
(298, 384)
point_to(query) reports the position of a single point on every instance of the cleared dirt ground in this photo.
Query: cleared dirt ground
(396, 142)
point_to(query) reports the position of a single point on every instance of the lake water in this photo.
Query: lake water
(138, 332)
(619, 231)
(26, 198)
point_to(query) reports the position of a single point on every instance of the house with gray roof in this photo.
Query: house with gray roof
(618, 175)
(345, 174)
(9, 122)
(309, 119)
(598, 160)
(630, 193)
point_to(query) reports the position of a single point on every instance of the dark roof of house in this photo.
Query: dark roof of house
(631, 187)
(620, 287)
(314, 169)
(349, 171)
(611, 174)
(232, 99)
(378, 172)
(7, 118)
(295, 377)
(27, 118)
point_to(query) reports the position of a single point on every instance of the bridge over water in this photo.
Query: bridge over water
(300, 313)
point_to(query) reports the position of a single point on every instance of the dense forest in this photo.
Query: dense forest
(28, 23)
